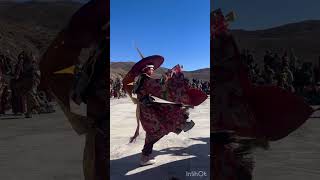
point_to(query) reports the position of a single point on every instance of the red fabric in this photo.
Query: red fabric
(177, 69)
(176, 89)
(277, 112)
(197, 96)
(272, 112)
(159, 119)
(155, 60)
(219, 25)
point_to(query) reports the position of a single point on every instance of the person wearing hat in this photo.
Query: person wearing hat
(157, 119)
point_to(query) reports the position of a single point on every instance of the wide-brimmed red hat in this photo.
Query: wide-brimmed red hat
(136, 70)
(154, 60)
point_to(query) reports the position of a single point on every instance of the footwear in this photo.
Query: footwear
(152, 157)
(188, 126)
(178, 131)
(146, 160)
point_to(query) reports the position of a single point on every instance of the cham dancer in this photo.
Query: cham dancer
(159, 119)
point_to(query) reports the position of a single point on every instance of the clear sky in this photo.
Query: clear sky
(82, 1)
(178, 30)
(262, 14)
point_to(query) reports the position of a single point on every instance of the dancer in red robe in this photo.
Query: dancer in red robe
(159, 119)
(241, 109)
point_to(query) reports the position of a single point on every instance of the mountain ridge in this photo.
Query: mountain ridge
(303, 37)
(119, 69)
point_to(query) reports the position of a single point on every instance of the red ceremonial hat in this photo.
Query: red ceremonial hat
(154, 60)
(136, 70)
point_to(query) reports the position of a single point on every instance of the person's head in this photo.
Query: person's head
(148, 69)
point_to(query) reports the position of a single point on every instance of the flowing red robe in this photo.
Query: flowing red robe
(159, 119)
(256, 111)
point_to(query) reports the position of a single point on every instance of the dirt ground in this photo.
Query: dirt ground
(46, 148)
(176, 155)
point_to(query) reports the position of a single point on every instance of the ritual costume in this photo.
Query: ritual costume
(159, 119)
(241, 109)
(88, 27)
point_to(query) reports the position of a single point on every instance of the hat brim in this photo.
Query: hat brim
(155, 60)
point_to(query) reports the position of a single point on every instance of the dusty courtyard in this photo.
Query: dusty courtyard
(41, 148)
(46, 148)
(176, 155)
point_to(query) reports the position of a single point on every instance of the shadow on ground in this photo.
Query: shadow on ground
(177, 169)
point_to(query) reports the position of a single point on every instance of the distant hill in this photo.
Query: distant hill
(119, 69)
(303, 37)
(32, 25)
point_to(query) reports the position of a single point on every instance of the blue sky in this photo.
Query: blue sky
(82, 1)
(261, 14)
(178, 30)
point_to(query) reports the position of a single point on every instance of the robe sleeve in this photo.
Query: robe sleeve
(176, 89)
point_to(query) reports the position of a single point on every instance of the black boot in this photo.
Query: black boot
(188, 126)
